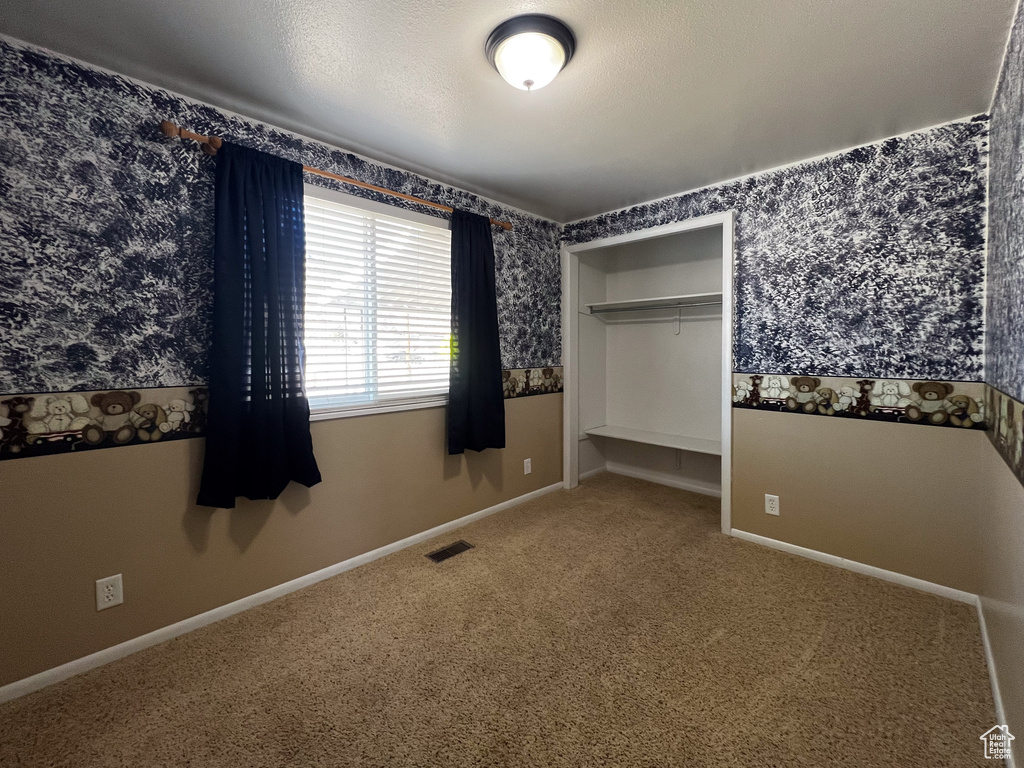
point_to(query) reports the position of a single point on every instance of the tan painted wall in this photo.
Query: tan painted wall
(901, 497)
(1002, 590)
(71, 519)
(935, 503)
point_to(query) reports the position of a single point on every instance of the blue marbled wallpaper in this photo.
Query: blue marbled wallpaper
(868, 263)
(1005, 307)
(106, 232)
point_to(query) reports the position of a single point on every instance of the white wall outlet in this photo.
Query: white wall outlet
(771, 504)
(109, 592)
(527, 466)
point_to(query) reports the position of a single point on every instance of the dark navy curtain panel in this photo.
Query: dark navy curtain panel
(257, 438)
(476, 406)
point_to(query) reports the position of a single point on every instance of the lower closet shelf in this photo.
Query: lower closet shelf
(682, 442)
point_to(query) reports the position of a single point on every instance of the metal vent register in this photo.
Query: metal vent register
(450, 551)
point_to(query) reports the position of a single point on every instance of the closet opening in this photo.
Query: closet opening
(647, 331)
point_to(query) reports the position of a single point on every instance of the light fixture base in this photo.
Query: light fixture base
(530, 23)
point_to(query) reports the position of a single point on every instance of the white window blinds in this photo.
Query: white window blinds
(378, 308)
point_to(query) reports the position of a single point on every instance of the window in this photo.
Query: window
(378, 307)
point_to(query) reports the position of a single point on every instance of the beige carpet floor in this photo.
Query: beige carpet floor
(608, 626)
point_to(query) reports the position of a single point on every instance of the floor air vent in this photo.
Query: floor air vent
(450, 551)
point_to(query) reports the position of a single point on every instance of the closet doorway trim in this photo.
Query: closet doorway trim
(570, 327)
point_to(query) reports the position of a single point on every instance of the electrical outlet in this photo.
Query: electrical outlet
(109, 592)
(527, 466)
(771, 504)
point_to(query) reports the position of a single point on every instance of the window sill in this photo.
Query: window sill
(437, 401)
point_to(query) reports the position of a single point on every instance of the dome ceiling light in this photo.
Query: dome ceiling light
(529, 50)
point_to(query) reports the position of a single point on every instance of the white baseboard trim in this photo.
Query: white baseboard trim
(119, 651)
(993, 678)
(664, 479)
(591, 473)
(853, 565)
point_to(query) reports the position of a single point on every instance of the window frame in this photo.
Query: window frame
(373, 206)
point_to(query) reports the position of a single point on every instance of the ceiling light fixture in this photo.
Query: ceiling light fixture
(529, 50)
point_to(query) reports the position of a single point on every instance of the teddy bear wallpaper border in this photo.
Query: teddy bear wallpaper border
(1006, 429)
(65, 422)
(960, 404)
(526, 382)
(43, 424)
(136, 246)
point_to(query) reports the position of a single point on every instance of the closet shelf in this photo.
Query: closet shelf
(660, 302)
(681, 442)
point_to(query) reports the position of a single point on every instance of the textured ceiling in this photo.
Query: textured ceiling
(661, 96)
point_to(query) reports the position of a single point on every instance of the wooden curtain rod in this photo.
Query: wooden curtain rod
(212, 143)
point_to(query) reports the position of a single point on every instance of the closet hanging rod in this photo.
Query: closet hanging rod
(212, 143)
(646, 307)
